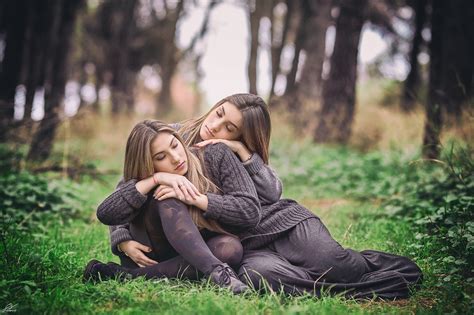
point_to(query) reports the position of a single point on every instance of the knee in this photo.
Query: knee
(227, 249)
(256, 274)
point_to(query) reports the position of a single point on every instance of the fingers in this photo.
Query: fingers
(205, 142)
(178, 192)
(141, 259)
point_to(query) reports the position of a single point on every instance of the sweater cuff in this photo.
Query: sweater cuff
(118, 236)
(214, 206)
(254, 165)
(133, 197)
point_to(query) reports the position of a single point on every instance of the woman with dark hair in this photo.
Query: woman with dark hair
(240, 121)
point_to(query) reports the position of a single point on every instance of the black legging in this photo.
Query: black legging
(179, 247)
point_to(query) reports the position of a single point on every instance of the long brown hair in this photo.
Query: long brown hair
(139, 165)
(256, 129)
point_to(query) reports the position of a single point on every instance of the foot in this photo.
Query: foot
(97, 271)
(225, 277)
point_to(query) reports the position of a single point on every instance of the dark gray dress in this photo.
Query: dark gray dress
(290, 248)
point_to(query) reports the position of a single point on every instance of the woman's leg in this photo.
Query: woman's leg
(172, 218)
(310, 245)
(307, 259)
(226, 249)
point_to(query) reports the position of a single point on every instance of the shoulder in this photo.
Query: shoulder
(217, 150)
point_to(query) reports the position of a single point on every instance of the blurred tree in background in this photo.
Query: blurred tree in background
(108, 43)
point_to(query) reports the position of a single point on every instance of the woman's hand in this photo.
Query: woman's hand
(135, 251)
(164, 192)
(236, 146)
(183, 188)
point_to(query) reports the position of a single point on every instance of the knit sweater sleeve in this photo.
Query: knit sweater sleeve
(238, 206)
(122, 206)
(265, 179)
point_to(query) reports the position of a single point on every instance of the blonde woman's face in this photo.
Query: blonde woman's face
(168, 154)
(224, 122)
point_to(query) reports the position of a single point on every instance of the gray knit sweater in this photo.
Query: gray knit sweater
(235, 209)
(266, 181)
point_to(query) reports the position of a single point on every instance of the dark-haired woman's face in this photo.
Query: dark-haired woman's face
(224, 122)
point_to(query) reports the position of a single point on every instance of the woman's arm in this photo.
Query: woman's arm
(239, 205)
(123, 205)
(266, 181)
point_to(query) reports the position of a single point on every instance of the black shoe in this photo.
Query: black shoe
(97, 271)
(225, 277)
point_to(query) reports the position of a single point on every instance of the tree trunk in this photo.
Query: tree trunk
(122, 96)
(314, 45)
(254, 18)
(43, 139)
(299, 34)
(277, 50)
(15, 27)
(36, 71)
(433, 123)
(458, 50)
(168, 67)
(338, 102)
(411, 84)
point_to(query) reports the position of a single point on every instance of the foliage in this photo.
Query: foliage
(343, 172)
(441, 208)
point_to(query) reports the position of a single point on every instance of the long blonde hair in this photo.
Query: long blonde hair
(256, 129)
(139, 165)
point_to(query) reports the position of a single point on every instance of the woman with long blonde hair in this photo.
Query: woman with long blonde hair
(155, 155)
(241, 122)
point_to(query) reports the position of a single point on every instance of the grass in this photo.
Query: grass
(346, 188)
(45, 275)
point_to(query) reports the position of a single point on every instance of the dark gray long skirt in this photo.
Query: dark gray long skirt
(307, 259)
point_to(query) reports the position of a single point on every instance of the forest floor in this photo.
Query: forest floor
(42, 267)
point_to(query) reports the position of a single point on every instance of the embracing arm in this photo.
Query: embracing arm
(239, 205)
(265, 179)
(122, 205)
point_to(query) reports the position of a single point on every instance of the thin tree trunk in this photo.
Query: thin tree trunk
(170, 63)
(37, 62)
(121, 96)
(276, 53)
(338, 101)
(255, 17)
(298, 45)
(434, 120)
(43, 139)
(411, 84)
(15, 27)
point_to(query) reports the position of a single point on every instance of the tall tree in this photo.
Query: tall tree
(411, 83)
(122, 93)
(60, 34)
(433, 122)
(338, 99)
(14, 28)
(277, 47)
(255, 14)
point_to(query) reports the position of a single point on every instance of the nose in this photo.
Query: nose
(175, 157)
(214, 126)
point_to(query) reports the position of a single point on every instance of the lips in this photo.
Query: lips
(180, 166)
